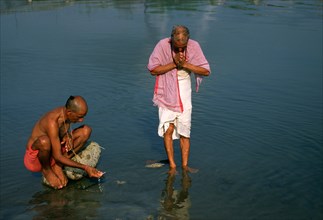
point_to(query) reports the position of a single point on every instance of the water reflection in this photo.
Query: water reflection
(61, 204)
(151, 6)
(266, 109)
(175, 204)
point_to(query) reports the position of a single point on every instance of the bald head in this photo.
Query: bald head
(76, 104)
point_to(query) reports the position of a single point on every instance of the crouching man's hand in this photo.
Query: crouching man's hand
(93, 172)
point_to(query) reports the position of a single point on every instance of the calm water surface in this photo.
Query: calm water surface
(257, 120)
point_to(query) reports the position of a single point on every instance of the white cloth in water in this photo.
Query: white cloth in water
(181, 121)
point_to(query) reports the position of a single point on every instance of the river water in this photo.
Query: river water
(256, 123)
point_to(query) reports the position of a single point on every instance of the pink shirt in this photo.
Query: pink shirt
(166, 92)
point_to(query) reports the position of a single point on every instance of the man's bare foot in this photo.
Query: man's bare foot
(60, 174)
(52, 179)
(172, 171)
(189, 169)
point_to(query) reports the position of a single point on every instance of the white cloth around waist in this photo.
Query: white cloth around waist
(181, 120)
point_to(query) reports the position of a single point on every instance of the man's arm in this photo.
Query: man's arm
(195, 69)
(188, 66)
(52, 131)
(198, 63)
(163, 69)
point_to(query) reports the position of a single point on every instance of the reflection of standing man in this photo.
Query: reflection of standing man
(172, 61)
(176, 204)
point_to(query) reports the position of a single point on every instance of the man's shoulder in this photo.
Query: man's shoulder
(164, 40)
(52, 115)
(193, 42)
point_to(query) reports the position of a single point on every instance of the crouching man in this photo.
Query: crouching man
(52, 144)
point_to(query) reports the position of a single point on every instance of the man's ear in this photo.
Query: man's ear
(68, 112)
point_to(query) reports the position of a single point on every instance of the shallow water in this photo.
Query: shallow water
(257, 120)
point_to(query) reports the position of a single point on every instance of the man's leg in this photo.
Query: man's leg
(185, 148)
(44, 155)
(168, 143)
(80, 137)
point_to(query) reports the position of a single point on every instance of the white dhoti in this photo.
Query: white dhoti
(181, 120)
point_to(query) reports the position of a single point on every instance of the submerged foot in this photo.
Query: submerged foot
(172, 171)
(190, 169)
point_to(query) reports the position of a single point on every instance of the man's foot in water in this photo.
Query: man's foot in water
(52, 180)
(190, 169)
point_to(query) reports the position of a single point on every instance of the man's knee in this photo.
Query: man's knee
(185, 141)
(86, 131)
(42, 143)
(170, 130)
(183, 138)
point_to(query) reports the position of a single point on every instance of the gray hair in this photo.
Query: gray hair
(180, 29)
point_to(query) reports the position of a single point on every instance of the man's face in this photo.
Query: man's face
(179, 43)
(75, 117)
(179, 48)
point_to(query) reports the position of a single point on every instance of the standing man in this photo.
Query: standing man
(51, 143)
(172, 61)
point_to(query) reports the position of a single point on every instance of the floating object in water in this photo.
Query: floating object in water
(120, 182)
(155, 165)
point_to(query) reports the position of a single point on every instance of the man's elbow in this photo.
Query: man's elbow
(154, 72)
(206, 73)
